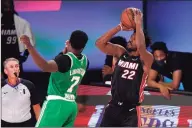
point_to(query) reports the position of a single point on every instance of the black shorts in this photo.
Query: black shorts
(119, 116)
(28, 123)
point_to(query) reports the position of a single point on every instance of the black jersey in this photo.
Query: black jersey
(9, 40)
(127, 81)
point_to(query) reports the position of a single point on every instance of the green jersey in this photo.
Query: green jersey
(66, 84)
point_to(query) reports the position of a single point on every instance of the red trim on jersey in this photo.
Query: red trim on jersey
(138, 108)
(142, 86)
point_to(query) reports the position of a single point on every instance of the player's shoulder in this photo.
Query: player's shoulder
(71, 55)
(62, 56)
(148, 58)
(174, 55)
(174, 58)
(68, 54)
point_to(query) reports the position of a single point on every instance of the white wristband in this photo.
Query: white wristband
(121, 27)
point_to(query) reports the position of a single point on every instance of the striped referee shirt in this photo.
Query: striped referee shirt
(17, 101)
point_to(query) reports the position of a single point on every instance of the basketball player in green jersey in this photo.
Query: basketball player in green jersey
(67, 71)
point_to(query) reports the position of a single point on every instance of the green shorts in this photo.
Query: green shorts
(57, 112)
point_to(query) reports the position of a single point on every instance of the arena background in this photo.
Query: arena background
(53, 21)
(168, 21)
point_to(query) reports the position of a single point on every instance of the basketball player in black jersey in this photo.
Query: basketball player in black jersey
(127, 81)
(12, 27)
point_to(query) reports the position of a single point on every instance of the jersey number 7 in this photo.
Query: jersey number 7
(76, 80)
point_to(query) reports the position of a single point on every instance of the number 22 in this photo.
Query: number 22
(76, 80)
(128, 75)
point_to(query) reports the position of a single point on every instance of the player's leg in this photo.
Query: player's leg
(72, 106)
(110, 116)
(51, 114)
(130, 118)
(70, 122)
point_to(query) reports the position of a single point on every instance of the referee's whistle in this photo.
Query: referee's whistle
(15, 74)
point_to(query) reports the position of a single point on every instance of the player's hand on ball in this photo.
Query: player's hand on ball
(138, 16)
(25, 40)
(124, 28)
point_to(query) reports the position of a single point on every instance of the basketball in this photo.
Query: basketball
(127, 18)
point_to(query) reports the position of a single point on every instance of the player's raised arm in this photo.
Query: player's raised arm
(46, 66)
(108, 48)
(140, 40)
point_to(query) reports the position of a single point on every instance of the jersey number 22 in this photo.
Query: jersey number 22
(128, 74)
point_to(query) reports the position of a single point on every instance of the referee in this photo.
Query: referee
(18, 97)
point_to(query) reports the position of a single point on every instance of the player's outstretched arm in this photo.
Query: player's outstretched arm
(108, 48)
(152, 83)
(140, 41)
(45, 66)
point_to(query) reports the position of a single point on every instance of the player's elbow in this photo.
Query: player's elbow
(149, 82)
(100, 45)
(44, 68)
(100, 42)
(50, 66)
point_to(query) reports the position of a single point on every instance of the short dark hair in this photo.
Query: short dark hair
(78, 39)
(148, 41)
(159, 46)
(119, 40)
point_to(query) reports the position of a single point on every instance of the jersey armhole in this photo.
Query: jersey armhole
(86, 60)
(71, 60)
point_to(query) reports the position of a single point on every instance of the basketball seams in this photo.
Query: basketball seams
(132, 19)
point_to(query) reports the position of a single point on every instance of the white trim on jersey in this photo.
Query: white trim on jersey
(71, 59)
(54, 97)
(86, 59)
(42, 113)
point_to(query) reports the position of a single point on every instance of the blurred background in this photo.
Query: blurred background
(53, 21)
(52, 24)
(164, 21)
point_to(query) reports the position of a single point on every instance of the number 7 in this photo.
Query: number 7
(76, 79)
